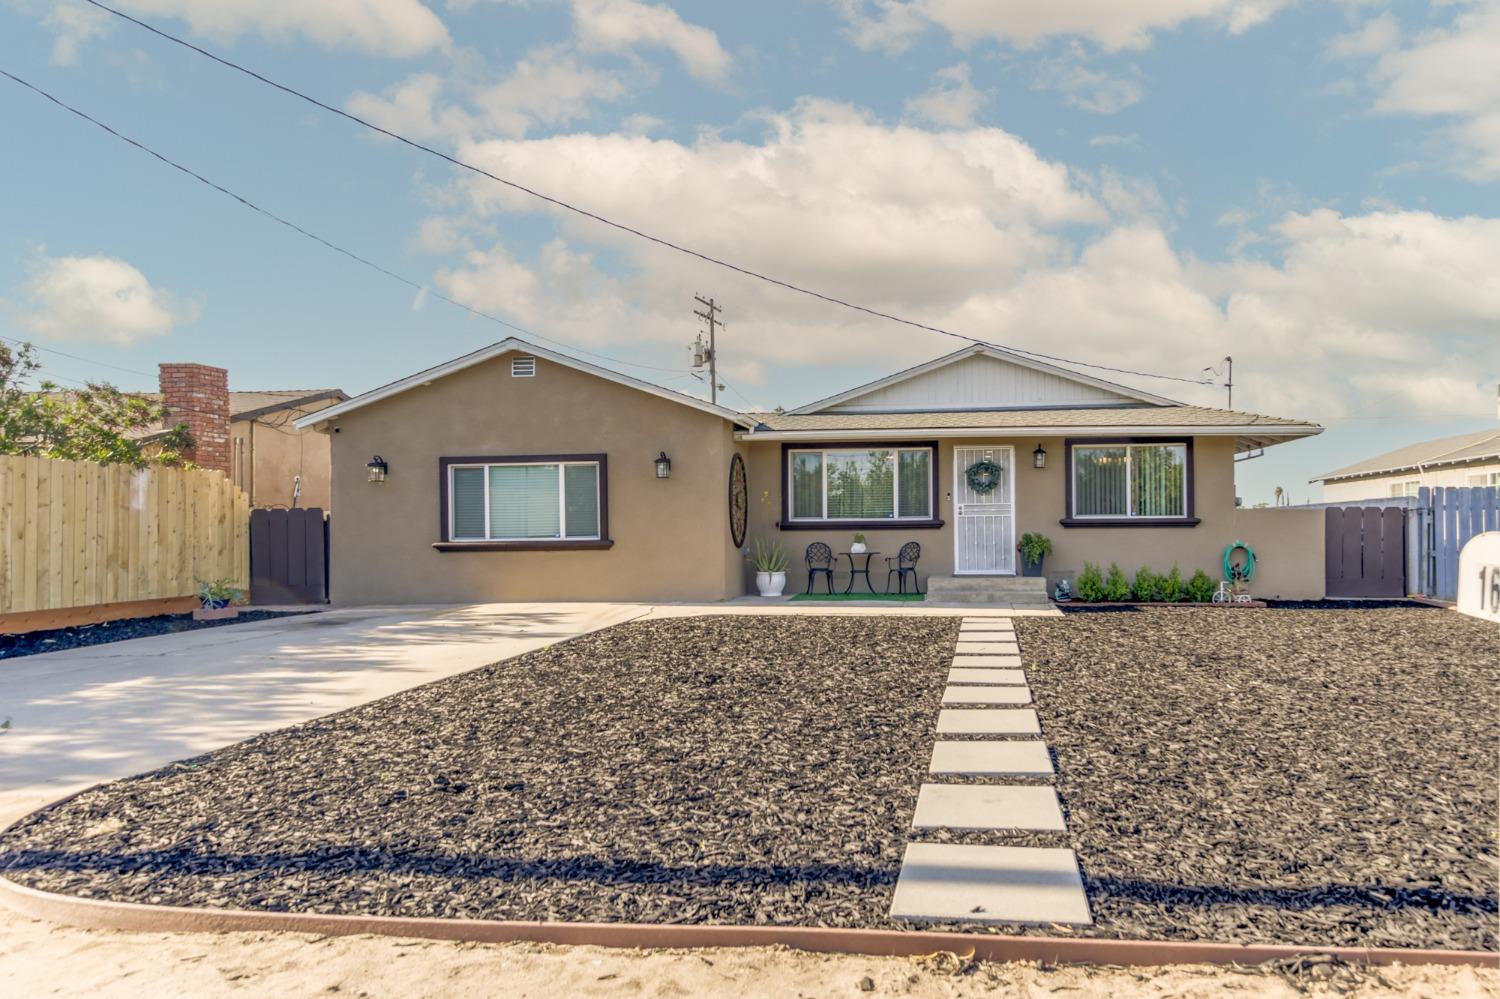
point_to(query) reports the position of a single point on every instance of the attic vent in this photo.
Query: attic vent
(522, 367)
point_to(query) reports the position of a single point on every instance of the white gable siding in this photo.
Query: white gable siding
(981, 382)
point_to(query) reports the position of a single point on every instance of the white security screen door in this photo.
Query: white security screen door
(984, 524)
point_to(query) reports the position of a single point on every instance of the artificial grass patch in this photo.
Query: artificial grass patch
(837, 597)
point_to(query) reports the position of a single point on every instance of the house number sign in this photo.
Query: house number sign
(1479, 577)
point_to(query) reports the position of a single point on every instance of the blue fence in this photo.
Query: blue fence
(1439, 524)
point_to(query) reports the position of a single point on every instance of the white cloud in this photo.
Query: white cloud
(1086, 88)
(74, 24)
(953, 100)
(621, 25)
(548, 86)
(98, 299)
(1112, 24)
(1452, 73)
(379, 27)
(1377, 35)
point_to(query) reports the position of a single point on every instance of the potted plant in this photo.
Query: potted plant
(1034, 549)
(858, 548)
(770, 563)
(218, 597)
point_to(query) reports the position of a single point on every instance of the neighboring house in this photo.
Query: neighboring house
(517, 473)
(250, 436)
(1471, 459)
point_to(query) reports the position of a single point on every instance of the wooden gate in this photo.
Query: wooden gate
(1364, 551)
(288, 556)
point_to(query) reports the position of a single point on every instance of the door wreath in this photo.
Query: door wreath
(983, 476)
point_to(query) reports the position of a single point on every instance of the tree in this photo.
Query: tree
(95, 423)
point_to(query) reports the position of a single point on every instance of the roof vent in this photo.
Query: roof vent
(522, 367)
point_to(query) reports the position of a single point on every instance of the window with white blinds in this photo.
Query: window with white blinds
(1130, 480)
(524, 501)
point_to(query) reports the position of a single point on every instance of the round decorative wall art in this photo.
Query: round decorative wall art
(983, 476)
(739, 501)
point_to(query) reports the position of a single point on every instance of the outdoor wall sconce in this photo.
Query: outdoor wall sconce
(1039, 457)
(663, 466)
(378, 468)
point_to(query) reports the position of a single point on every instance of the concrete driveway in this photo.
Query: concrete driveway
(86, 715)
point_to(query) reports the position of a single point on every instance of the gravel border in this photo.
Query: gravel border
(1308, 777)
(1321, 775)
(33, 643)
(712, 769)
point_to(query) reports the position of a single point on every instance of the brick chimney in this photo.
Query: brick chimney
(198, 395)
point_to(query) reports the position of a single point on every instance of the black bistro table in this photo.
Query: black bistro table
(853, 571)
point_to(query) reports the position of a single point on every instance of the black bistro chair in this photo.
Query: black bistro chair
(819, 559)
(904, 562)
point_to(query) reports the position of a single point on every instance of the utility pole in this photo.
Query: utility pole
(708, 353)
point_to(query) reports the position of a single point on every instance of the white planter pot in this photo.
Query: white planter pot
(858, 548)
(770, 584)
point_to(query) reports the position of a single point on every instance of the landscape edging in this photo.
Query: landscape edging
(102, 914)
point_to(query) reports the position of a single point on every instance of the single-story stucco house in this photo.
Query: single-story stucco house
(518, 473)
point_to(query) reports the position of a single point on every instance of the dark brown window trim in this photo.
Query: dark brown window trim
(1068, 520)
(521, 546)
(859, 525)
(788, 524)
(445, 543)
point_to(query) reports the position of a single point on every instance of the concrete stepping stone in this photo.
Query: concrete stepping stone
(988, 721)
(1006, 757)
(988, 806)
(987, 695)
(987, 662)
(998, 624)
(968, 634)
(988, 648)
(999, 677)
(949, 882)
(985, 619)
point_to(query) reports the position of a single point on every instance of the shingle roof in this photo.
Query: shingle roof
(1453, 450)
(1000, 419)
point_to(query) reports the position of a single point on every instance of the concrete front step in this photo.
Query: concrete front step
(1015, 591)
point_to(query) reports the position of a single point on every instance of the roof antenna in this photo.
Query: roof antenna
(1225, 368)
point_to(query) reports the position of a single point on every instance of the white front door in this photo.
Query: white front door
(984, 523)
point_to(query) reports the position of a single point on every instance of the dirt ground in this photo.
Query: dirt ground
(42, 959)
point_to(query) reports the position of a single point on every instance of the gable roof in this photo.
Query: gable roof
(1455, 450)
(325, 416)
(1123, 393)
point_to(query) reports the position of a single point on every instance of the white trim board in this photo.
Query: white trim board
(323, 417)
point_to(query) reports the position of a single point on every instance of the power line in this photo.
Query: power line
(64, 353)
(417, 285)
(585, 213)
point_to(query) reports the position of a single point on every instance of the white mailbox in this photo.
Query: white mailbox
(1479, 577)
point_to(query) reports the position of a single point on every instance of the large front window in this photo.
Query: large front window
(1113, 481)
(524, 501)
(854, 484)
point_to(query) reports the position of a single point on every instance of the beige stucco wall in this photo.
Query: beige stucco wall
(671, 537)
(1288, 545)
(267, 454)
(1039, 507)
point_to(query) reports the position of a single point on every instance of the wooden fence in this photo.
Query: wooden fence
(1442, 521)
(74, 534)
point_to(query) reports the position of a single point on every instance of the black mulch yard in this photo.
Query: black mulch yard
(718, 769)
(56, 639)
(1304, 776)
(1298, 776)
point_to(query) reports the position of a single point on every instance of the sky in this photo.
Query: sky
(1312, 188)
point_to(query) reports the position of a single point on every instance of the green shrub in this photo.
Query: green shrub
(1171, 585)
(1146, 586)
(1090, 583)
(1200, 588)
(1116, 586)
